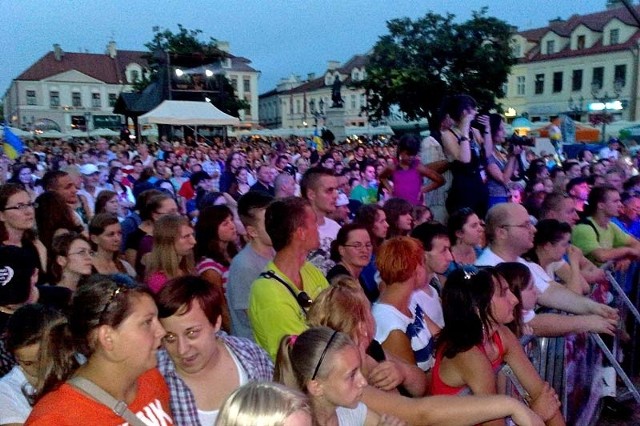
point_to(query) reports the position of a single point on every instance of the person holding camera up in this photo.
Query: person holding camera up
(466, 148)
(502, 164)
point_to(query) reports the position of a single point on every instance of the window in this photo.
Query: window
(520, 84)
(581, 42)
(246, 85)
(31, 97)
(557, 82)
(614, 36)
(576, 80)
(539, 84)
(76, 99)
(54, 99)
(135, 76)
(516, 49)
(551, 47)
(298, 106)
(598, 77)
(353, 102)
(113, 98)
(234, 84)
(95, 100)
(620, 75)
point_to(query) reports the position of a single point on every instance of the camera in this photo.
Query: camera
(515, 140)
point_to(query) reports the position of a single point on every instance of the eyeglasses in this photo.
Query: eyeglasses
(83, 253)
(116, 291)
(527, 225)
(22, 207)
(324, 353)
(359, 245)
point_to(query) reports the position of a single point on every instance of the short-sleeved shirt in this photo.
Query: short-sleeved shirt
(364, 195)
(243, 271)
(15, 407)
(540, 278)
(273, 310)
(585, 237)
(67, 406)
(389, 319)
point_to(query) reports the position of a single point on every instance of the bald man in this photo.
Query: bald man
(510, 234)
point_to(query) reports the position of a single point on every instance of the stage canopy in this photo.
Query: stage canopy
(188, 113)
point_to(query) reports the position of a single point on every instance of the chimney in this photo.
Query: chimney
(332, 65)
(111, 49)
(557, 20)
(224, 46)
(57, 52)
(311, 76)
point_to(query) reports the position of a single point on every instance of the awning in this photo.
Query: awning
(188, 113)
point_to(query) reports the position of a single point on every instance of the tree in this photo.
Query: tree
(420, 62)
(186, 46)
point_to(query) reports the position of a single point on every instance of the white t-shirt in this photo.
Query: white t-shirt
(352, 416)
(14, 407)
(320, 258)
(389, 319)
(540, 278)
(428, 298)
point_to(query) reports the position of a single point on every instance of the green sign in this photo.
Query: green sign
(113, 122)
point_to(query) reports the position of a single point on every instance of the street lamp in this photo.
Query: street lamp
(87, 119)
(605, 101)
(575, 108)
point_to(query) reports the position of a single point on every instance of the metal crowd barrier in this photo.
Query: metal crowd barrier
(573, 365)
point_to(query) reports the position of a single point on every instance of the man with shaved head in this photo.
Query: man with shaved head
(510, 234)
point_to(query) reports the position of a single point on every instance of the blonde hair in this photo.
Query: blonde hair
(343, 306)
(300, 357)
(261, 404)
(163, 256)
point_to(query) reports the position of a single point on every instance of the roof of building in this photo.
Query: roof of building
(594, 21)
(357, 61)
(99, 66)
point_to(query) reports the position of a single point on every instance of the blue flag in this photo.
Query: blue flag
(12, 145)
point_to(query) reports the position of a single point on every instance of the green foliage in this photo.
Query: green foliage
(420, 62)
(188, 42)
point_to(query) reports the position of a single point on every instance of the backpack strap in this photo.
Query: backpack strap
(302, 298)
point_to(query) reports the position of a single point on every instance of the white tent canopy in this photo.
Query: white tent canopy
(188, 113)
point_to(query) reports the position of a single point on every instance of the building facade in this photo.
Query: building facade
(303, 103)
(77, 91)
(585, 66)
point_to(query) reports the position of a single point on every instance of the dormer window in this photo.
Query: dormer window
(226, 63)
(517, 50)
(551, 47)
(614, 36)
(582, 40)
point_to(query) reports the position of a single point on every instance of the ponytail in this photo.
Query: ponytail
(283, 372)
(57, 358)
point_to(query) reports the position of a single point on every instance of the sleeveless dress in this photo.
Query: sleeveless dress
(469, 188)
(438, 387)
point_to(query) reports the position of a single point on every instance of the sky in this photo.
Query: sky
(280, 37)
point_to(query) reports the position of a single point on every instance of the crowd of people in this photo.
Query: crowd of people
(278, 282)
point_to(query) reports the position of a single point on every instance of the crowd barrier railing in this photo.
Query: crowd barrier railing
(578, 366)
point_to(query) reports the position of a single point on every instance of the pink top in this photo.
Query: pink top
(206, 264)
(407, 183)
(438, 387)
(156, 281)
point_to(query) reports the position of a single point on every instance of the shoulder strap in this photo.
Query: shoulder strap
(587, 221)
(301, 298)
(100, 395)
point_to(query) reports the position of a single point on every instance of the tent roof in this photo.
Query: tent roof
(188, 113)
